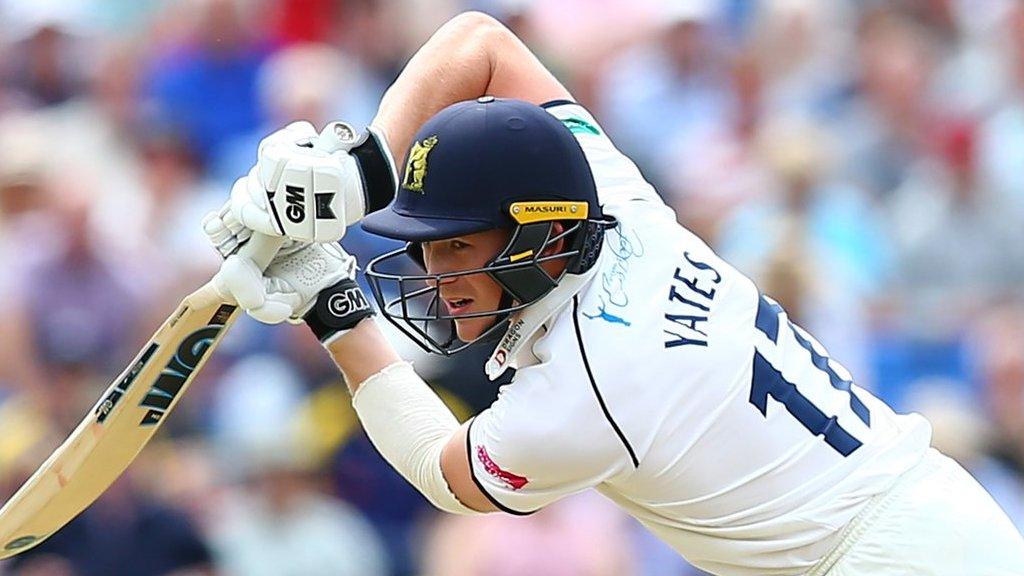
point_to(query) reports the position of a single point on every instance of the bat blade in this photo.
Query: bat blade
(134, 405)
(124, 419)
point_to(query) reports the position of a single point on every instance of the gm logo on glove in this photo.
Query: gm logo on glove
(295, 197)
(350, 300)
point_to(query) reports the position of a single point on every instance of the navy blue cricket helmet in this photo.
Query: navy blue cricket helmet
(483, 164)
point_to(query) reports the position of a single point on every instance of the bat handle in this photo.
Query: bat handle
(262, 248)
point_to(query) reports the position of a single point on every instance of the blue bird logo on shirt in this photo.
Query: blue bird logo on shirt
(603, 314)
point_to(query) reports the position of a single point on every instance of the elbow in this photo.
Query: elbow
(474, 21)
(482, 31)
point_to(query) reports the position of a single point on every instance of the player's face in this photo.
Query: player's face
(471, 293)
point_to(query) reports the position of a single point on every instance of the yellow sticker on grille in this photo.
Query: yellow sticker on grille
(520, 256)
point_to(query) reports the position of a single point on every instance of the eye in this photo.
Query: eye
(458, 245)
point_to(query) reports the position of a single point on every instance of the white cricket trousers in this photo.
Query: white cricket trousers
(935, 521)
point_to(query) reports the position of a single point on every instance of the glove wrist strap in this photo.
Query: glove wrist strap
(337, 310)
(377, 168)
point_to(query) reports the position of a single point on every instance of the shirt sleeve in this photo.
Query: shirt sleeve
(531, 447)
(617, 177)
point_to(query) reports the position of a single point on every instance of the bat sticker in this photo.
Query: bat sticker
(180, 367)
(106, 406)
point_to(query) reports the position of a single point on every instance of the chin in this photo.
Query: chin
(472, 328)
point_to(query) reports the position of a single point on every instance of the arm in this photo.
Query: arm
(364, 353)
(470, 56)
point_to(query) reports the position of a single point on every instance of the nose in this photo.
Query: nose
(437, 262)
(435, 282)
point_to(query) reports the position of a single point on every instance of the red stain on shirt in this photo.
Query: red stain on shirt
(511, 480)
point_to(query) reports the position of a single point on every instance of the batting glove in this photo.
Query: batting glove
(306, 282)
(310, 194)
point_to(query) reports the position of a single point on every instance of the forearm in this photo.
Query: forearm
(403, 417)
(471, 55)
(362, 352)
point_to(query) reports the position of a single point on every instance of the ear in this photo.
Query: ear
(559, 245)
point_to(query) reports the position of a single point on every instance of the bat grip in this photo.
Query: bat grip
(262, 248)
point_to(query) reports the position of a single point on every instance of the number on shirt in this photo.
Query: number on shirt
(769, 381)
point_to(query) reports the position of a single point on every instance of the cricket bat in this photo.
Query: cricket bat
(132, 408)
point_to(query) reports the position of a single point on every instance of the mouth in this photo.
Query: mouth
(457, 306)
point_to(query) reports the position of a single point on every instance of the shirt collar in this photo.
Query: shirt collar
(523, 325)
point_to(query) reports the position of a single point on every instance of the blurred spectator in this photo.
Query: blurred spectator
(383, 34)
(804, 48)
(724, 169)
(1001, 138)
(282, 525)
(579, 36)
(81, 303)
(125, 533)
(998, 344)
(73, 304)
(282, 522)
(239, 414)
(155, 224)
(316, 83)
(960, 248)
(49, 57)
(207, 84)
(299, 21)
(670, 90)
(888, 121)
(24, 167)
(23, 205)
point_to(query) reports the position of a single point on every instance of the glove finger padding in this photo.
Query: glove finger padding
(290, 285)
(299, 191)
(314, 283)
(223, 241)
(301, 132)
(226, 234)
(249, 205)
(233, 225)
(278, 307)
(241, 281)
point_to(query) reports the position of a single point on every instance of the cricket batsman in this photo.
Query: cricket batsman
(645, 366)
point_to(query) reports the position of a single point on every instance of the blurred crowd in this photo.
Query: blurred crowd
(862, 160)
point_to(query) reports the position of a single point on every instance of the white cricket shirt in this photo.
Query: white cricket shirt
(666, 381)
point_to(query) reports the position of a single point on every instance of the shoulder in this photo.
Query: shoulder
(660, 294)
(616, 176)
